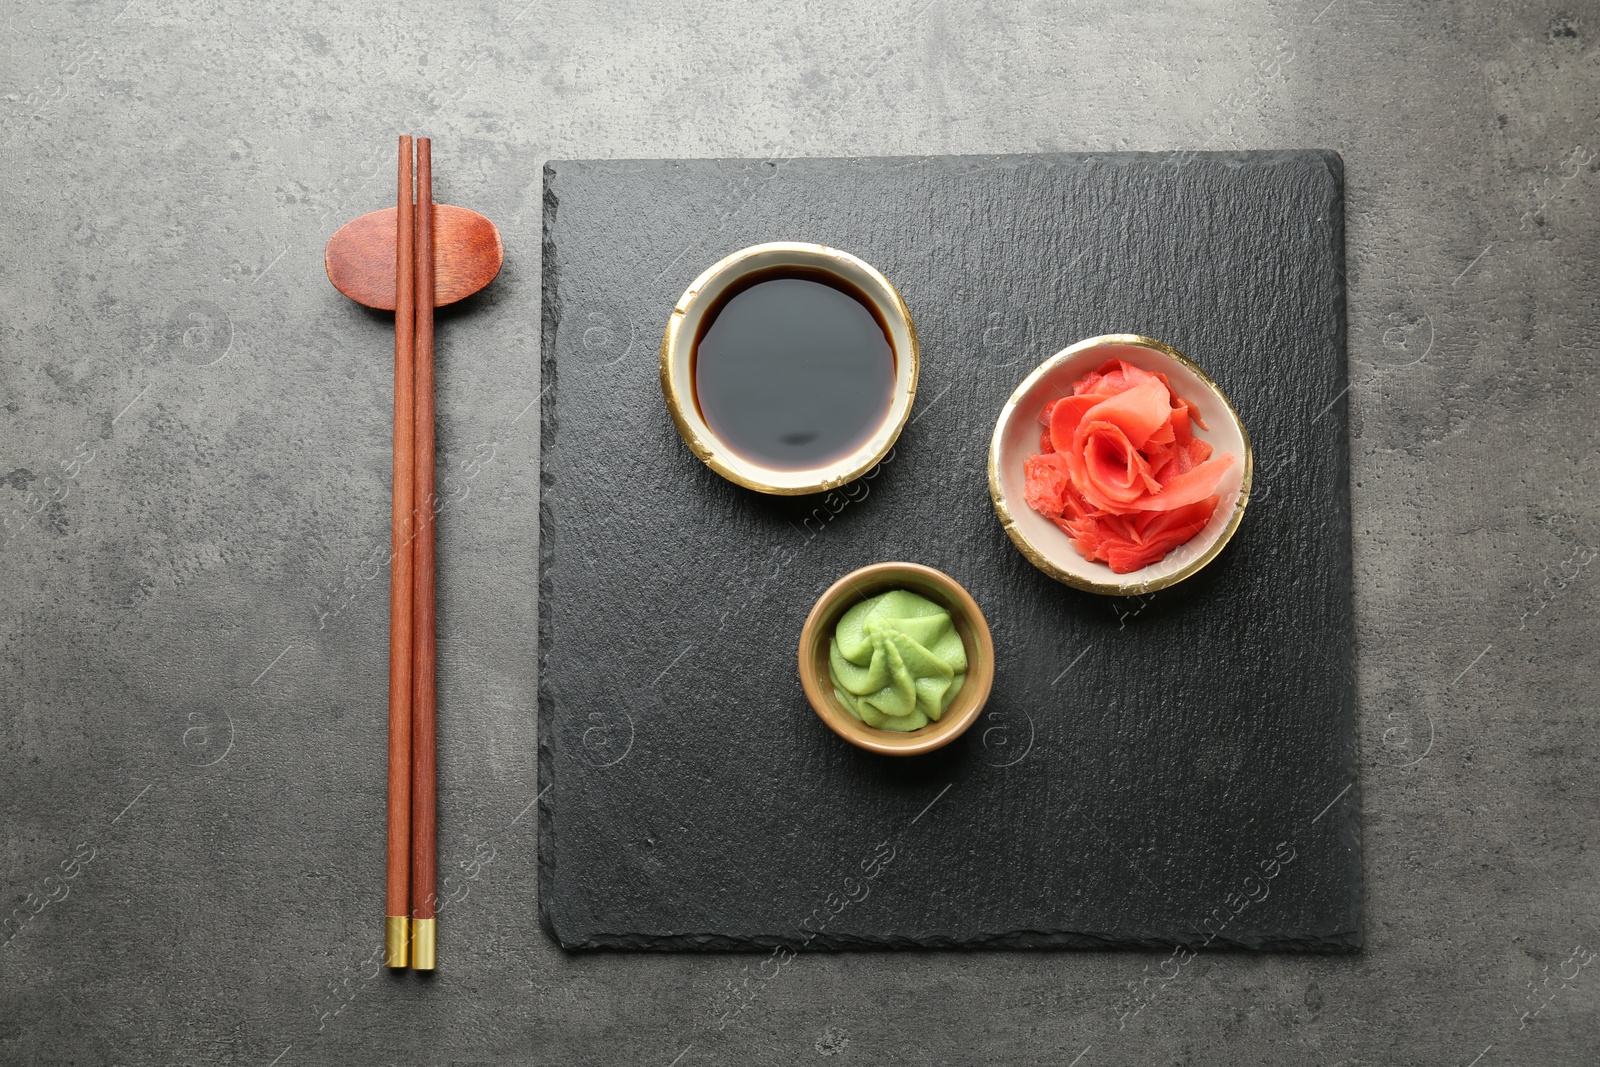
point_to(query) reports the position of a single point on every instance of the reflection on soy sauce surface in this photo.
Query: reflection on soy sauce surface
(793, 369)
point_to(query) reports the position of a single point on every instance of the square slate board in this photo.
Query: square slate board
(1174, 769)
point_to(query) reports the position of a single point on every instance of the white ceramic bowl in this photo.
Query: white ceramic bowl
(1016, 436)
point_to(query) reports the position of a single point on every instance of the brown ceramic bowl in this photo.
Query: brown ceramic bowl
(867, 582)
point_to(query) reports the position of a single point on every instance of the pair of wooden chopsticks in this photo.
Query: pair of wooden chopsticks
(409, 925)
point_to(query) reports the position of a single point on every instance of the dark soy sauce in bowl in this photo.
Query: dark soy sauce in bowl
(793, 369)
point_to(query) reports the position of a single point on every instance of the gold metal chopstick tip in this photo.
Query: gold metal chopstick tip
(396, 940)
(423, 932)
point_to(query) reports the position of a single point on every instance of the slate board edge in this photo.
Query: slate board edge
(1329, 158)
(1355, 937)
(549, 317)
(1339, 941)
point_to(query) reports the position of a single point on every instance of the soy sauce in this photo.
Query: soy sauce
(793, 369)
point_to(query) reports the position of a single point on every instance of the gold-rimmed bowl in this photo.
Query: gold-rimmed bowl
(1016, 436)
(817, 634)
(688, 320)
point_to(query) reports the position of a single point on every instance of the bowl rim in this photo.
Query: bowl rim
(677, 343)
(968, 703)
(1133, 586)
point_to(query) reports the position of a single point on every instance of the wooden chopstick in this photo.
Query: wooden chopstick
(424, 909)
(397, 911)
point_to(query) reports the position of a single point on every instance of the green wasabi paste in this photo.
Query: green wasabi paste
(896, 661)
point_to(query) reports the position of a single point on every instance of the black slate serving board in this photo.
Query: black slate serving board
(1174, 769)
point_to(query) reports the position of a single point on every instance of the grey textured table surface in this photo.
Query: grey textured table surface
(192, 636)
